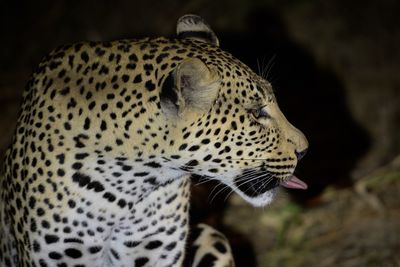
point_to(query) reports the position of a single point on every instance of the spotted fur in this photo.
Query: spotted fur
(108, 136)
(209, 248)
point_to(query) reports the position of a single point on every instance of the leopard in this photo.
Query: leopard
(107, 139)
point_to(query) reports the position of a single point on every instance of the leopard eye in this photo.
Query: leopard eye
(259, 113)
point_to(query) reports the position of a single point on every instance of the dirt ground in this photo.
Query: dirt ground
(357, 226)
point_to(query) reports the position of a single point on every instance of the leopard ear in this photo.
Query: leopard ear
(193, 26)
(192, 85)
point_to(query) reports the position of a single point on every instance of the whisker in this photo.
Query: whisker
(241, 181)
(270, 64)
(268, 177)
(247, 159)
(249, 175)
(263, 183)
(263, 67)
(214, 188)
(205, 180)
(246, 178)
(258, 67)
(228, 195)
(220, 191)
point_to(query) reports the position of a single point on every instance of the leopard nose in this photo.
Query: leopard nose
(300, 154)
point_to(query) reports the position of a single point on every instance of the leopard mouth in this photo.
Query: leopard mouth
(253, 187)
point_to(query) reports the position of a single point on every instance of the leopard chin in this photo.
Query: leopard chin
(260, 200)
(260, 190)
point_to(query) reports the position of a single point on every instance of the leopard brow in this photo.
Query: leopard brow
(257, 102)
(262, 90)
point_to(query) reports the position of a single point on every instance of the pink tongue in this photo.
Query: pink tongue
(295, 183)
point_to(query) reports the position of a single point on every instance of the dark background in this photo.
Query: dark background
(334, 66)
